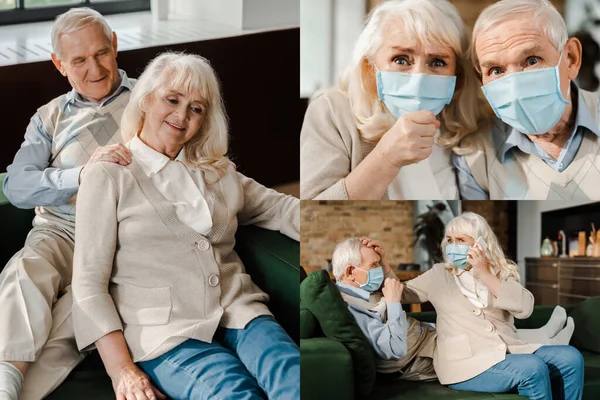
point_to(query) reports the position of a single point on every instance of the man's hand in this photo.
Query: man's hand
(392, 290)
(116, 153)
(376, 245)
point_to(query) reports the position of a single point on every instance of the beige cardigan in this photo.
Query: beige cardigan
(331, 147)
(137, 268)
(470, 340)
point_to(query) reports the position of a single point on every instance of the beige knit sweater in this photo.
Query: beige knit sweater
(470, 340)
(137, 268)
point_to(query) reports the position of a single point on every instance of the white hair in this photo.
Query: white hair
(345, 253)
(427, 22)
(474, 225)
(73, 20)
(543, 16)
(186, 72)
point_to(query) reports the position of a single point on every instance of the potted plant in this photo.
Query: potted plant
(429, 232)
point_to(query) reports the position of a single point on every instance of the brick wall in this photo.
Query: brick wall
(470, 9)
(326, 223)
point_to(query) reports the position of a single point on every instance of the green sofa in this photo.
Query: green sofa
(271, 258)
(327, 371)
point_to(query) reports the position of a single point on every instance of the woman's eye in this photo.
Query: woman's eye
(438, 63)
(197, 110)
(172, 101)
(495, 71)
(400, 60)
(532, 61)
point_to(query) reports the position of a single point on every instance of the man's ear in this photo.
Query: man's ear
(114, 43)
(58, 64)
(574, 54)
(349, 272)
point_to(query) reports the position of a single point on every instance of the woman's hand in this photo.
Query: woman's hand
(130, 383)
(410, 139)
(476, 258)
(378, 248)
(392, 290)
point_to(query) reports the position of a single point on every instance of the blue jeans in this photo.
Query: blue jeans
(257, 362)
(552, 372)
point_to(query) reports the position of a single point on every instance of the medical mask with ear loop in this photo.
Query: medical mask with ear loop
(374, 279)
(529, 101)
(404, 93)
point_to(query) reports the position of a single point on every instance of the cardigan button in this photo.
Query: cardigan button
(477, 311)
(502, 347)
(203, 245)
(490, 327)
(213, 280)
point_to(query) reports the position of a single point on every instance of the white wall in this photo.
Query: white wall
(529, 226)
(328, 30)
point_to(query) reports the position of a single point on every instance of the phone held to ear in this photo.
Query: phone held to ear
(482, 243)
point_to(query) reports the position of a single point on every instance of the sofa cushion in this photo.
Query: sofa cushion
(322, 298)
(309, 326)
(587, 325)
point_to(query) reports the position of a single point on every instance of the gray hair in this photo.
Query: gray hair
(545, 16)
(188, 72)
(345, 253)
(75, 19)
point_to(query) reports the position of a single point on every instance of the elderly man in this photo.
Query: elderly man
(404, 345)
(74, 130)
(547, 144)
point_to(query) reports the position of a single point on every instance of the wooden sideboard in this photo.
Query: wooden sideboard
(562, 280)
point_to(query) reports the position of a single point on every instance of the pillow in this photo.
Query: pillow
(587, 325)
(309, 326)
(323, 299)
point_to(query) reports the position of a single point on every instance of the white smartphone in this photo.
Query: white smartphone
(482, 243)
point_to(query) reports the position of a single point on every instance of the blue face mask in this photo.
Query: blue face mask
(374, 279)
(457, 254)
(404, 93)
(529, 101)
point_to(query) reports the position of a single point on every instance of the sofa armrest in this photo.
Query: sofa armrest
(326, 370)
(273, 261)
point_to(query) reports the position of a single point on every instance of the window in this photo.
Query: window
(20, 11)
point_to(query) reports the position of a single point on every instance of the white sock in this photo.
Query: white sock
(564, 336)
(11, 380)
(556, 322)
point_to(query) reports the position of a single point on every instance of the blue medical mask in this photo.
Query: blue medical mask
(529, 101)
(457, 254)
(374, 279)
(404, 93)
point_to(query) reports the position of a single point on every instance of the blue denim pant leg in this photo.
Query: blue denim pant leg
(196, 370)
(566, 371)
(270, 355)
(526, 373)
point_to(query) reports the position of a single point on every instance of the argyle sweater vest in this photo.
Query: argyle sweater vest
(524, 176)
(77, 130)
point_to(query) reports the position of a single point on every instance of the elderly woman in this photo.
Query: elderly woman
(476, 294)
(157, 285)
(376, 135)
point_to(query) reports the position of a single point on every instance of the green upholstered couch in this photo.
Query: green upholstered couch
(271, 258)
(327, 372)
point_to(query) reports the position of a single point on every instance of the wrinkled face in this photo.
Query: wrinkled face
(460, 239)
(369, 260)
(172, 117)
(88, 60)
(515, 46)
(400, 54)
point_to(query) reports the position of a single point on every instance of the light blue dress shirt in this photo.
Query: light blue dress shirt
(512, 140)
(388, 339)
(30, 182)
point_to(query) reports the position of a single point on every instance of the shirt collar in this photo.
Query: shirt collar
(583, 119)
(151, 158)
(73, 96)
(353, 291)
